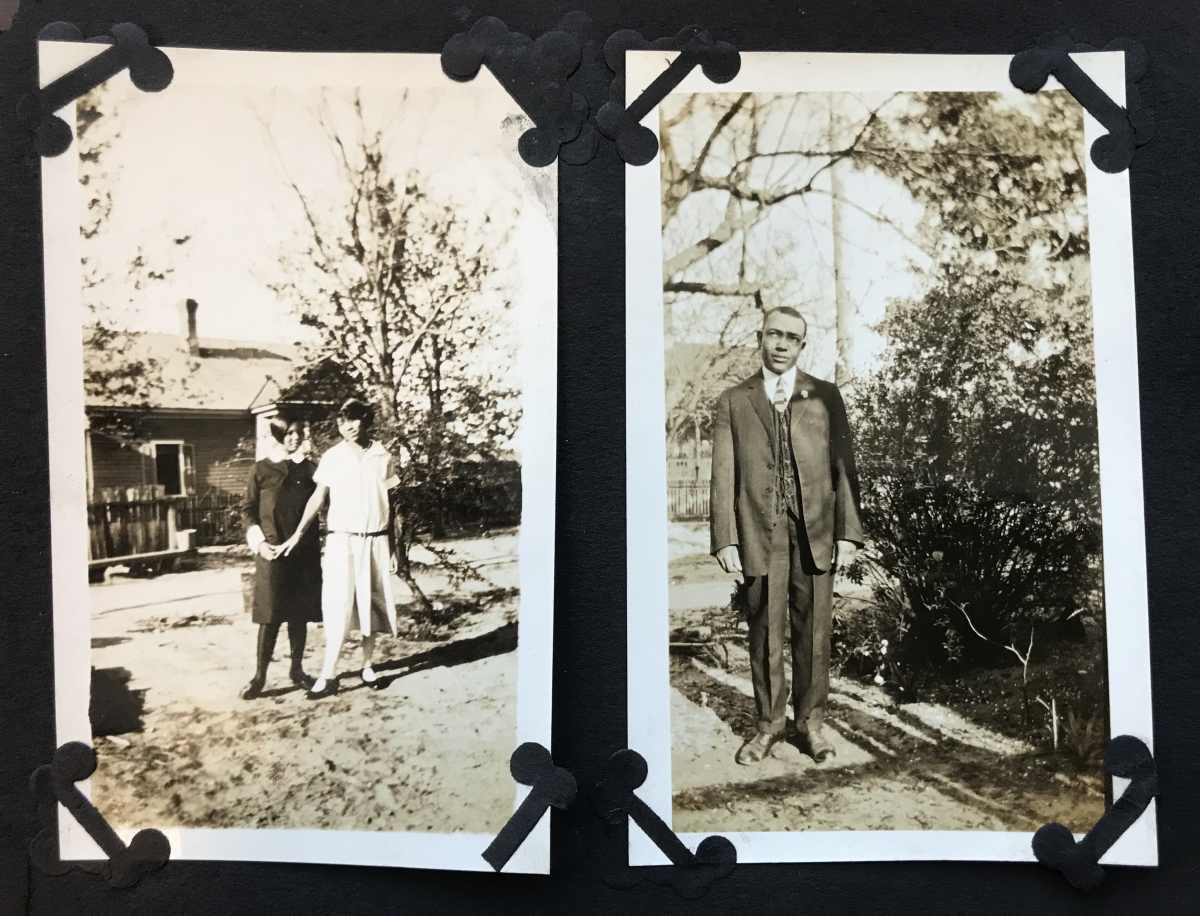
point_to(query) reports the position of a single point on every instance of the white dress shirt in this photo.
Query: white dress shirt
(772, 380)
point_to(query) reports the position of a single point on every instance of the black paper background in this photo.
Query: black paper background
(589, 637)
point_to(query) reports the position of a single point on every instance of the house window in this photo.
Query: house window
(174, 467)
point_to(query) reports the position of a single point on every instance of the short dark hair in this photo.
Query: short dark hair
(354, 409)
(279, 424)
(786, 310)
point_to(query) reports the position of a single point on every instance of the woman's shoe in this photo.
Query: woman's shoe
(302, 680)
(322, 688)
(254, 689)
(371, 679)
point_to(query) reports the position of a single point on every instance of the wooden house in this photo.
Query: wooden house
(172, 452)
(696, 374)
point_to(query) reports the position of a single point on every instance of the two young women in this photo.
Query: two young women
(350, 588)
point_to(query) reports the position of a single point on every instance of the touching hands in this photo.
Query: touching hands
(266, 551)
(287, 546)
(730, 559)
(393, 564)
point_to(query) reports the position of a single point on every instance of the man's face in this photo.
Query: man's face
(781, 340)
(351, 430)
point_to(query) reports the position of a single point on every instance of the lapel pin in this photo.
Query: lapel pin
(803, 393)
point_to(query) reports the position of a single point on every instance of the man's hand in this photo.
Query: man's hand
(266, 551)
(730, 559)
(846, 552)
(393, 563)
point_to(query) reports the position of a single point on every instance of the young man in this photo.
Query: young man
(356, 475)
(784, 508)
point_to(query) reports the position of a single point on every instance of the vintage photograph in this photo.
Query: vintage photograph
(310, 450)
(885, 604)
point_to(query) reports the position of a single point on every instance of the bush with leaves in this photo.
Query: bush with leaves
(976, 571)
(979, 461)
(863, 643)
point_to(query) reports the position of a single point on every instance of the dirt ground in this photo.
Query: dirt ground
(899, 766)
(178, 747)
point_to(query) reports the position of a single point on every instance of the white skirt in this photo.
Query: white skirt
(356, 575)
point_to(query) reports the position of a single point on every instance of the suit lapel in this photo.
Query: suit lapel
(803, 394)
(758, 400)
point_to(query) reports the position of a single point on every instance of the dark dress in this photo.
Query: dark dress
(286, 588)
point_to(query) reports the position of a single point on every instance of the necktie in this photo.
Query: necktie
(785, 475)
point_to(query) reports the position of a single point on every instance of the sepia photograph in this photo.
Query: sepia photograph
(302, 423)
(874, 564)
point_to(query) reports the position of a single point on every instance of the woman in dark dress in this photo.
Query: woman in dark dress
(287, 589)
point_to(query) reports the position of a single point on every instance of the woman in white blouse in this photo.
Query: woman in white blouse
(355, 475)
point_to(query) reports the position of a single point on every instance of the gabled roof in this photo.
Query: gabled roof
(225, 375)
(314, 387)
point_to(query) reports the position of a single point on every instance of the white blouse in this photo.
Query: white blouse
(358, 483)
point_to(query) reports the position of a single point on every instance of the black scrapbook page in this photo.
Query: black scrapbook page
(693, 459)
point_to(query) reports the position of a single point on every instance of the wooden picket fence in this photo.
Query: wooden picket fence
(687, 488)
(130, 528)
(216, 518)
(687, 503)
(135, 523)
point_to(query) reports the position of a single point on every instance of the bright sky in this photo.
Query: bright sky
(792, 251)
(792, 248)
(211, 163)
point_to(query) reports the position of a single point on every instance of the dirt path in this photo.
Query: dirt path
(917, 766)
(897, 768)
(428, 752)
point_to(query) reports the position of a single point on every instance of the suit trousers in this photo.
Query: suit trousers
(794, 594)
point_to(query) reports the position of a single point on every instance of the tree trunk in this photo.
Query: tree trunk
(437, 521)
(843, 306)
(404, 565)
(389, 419)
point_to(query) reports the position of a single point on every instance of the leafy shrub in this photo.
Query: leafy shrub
(1083, 737)
(969, 572)
(979, 462)
(863, 644)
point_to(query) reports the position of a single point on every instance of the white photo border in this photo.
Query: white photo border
(62, 204)
(646, 482)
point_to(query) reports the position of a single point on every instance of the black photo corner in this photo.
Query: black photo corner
(563, 84)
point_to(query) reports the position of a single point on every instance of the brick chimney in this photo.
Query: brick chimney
(193, 340)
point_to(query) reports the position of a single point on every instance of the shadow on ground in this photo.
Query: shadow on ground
(115, 709)
(460, 652)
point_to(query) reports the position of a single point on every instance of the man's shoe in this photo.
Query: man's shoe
(254, 689)
(302, 680)
(754, 750)
(818, 746)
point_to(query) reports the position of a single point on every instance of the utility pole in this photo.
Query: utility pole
(844, 308)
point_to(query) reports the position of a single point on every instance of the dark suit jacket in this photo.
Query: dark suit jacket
(742, 502)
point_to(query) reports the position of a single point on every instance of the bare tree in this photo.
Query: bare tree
(998, 183)
(760, 152)
(397, 285)
(118, 373)
(728, 162)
